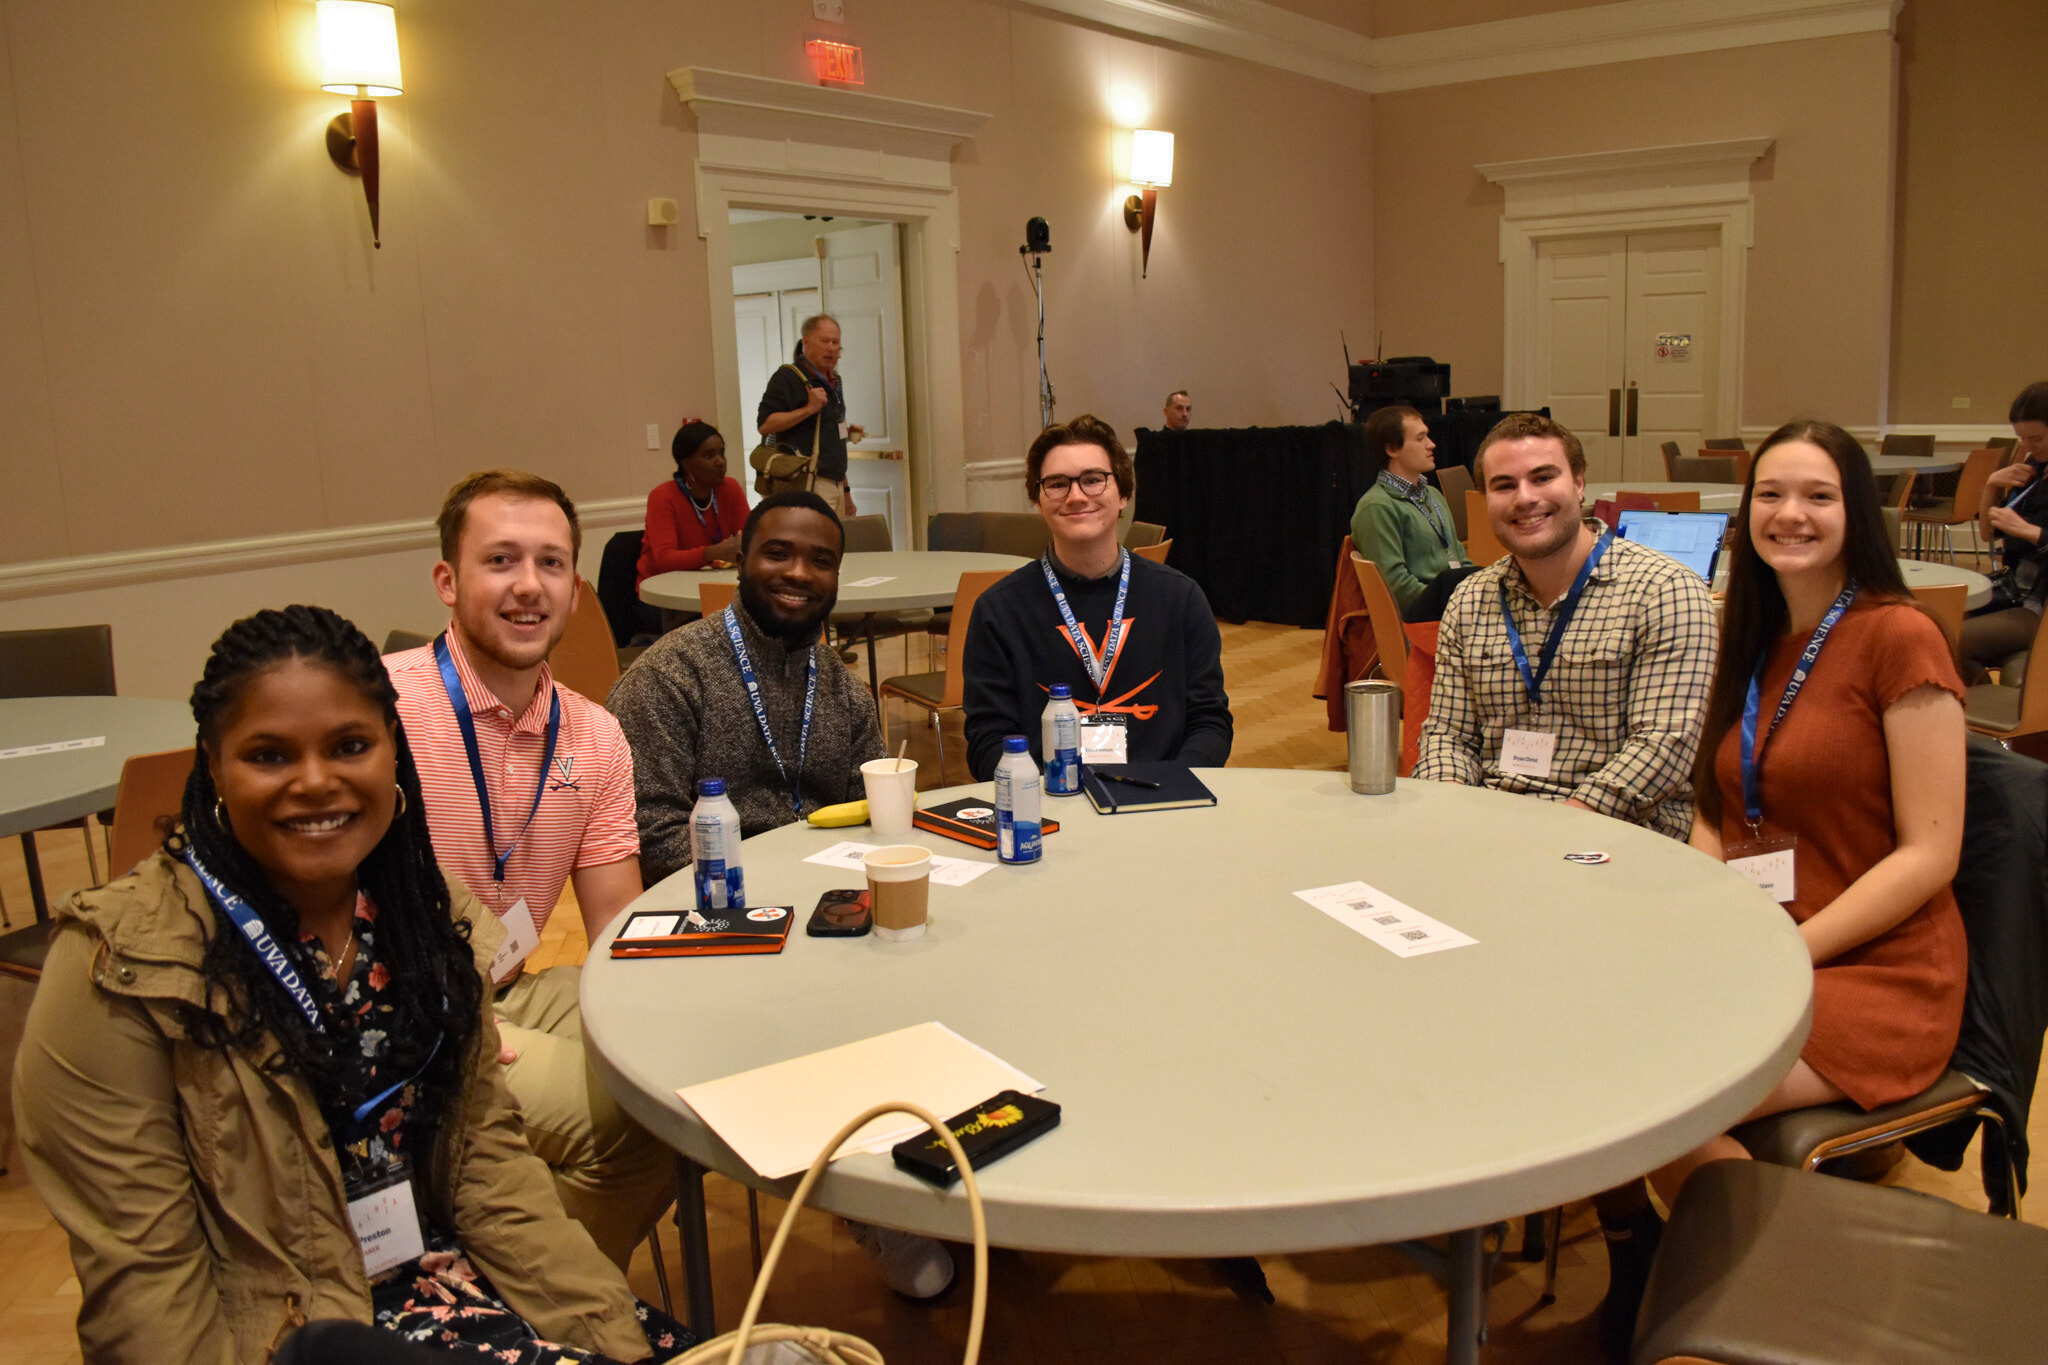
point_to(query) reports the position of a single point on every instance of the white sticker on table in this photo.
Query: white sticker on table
(1401, 929)
(945, 871)
(58, 747)
(875, 582)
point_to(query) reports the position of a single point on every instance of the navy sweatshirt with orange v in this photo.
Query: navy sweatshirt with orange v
(1166, 680)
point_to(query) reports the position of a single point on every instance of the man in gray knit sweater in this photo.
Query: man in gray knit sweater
(687, 713)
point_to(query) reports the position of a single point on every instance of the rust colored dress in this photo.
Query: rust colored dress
(1885, 1013)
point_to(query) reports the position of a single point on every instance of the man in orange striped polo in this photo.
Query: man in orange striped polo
(529, 786)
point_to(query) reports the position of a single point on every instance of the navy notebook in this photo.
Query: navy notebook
(1177, 788)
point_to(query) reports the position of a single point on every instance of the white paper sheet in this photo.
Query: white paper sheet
(60, 746)
(1401, 929)
(777, 1117)
(870, 582)
(945, 871)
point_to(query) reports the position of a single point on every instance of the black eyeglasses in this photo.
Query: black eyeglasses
(1092, 481)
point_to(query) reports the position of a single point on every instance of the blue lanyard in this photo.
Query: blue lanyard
(1098, 667)
(1565, 611)
(258, 936)
(452, 683)
(1421, 500)
(717, 523)
(2020, 495)
(1752, 706)
(803, 743)
(369, 1106)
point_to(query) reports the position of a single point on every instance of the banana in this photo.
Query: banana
(846, 813)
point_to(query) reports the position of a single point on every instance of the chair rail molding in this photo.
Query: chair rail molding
(789, 148)
(1592, 35)
(1643, 189)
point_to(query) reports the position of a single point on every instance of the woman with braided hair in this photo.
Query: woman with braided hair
(259, 1084)
(693, 520)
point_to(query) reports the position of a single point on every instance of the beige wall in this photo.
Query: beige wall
(197, 342)
(1819, 273)
(1972, 234)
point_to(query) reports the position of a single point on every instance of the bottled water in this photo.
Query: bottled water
(1060, 728)
(1018, 835)
(715, 848)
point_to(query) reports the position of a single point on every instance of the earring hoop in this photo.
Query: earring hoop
(401, 799)
(220, 816)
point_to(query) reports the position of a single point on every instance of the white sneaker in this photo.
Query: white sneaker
(915, 1267)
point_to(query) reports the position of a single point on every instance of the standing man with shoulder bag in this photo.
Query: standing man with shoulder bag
(804, 407)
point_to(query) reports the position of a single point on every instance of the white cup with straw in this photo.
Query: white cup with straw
(892, 793)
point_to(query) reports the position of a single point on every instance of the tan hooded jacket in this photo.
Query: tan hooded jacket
(202, 1193)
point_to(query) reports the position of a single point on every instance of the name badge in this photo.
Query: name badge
(842, 431)
(521, 938)
(1769, 863)
(387, 1224)
(1104, 741)
(1527, 753)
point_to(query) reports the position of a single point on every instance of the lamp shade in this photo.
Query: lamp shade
(359, 48)
(1151, 158)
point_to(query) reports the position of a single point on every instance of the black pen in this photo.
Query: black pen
(1128, 781)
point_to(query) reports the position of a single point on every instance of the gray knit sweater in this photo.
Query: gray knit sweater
(686, 714)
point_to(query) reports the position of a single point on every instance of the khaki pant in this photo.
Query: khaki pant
(614, 1176)
(833, 491)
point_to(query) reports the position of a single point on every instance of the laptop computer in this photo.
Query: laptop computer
(1692, 538)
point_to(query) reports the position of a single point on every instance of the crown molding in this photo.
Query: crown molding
(1728, 159)
(708, 91)
(43, 578)
(1594, 35)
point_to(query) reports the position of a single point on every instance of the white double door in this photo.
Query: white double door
(1628, 344)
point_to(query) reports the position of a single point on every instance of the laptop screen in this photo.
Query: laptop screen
(1691, 538)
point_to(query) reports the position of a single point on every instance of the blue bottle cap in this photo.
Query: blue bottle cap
(1016, 744)
(711, 786)
(1062, 692)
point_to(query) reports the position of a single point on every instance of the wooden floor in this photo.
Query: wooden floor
(1363, 1304)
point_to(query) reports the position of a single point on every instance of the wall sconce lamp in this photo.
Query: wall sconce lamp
(1152, 167)
(358, 57)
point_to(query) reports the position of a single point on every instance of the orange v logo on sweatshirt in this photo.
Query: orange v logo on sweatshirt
(1119, 705)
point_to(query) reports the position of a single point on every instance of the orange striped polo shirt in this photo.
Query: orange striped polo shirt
(586, 815)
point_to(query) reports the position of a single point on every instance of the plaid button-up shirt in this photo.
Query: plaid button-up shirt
(1625, 696)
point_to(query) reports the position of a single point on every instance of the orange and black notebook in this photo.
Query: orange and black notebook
(971, 820)
(713, 933)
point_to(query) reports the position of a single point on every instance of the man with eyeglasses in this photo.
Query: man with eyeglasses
(1135, 640)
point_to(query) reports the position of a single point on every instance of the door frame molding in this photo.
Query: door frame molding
(784, 147)
(1692, 185)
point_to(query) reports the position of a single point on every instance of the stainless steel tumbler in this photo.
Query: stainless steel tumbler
(1372, 725)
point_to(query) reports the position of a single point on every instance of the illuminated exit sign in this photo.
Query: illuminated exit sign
(837, 62)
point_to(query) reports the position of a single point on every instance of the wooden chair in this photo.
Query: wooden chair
(1668, 500)
(1947, 603)
(1949, 513)
(1480, 541)
(1143, 533)
(2007, 713)
(64, 661)
(586, 660)
(713, 598)
(943, 690)
(1156, 553)
(1455, 481)
(1387, 636)
(1741, 459)
(152, 793)
(1672, 455)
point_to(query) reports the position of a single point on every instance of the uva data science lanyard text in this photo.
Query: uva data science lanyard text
(452, 682)
(1565, 611)
(803, 742)
(1752, 706)
(258, 936)
(1098, 667)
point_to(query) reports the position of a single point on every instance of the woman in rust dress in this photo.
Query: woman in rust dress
(1848, 803)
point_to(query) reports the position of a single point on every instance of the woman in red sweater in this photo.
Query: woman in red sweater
(693, 520)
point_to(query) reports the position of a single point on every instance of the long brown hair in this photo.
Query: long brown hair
(1755, 615)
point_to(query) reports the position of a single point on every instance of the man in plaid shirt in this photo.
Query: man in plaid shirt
(1575, 669)
(1606, 716)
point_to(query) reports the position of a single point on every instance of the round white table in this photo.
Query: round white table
(1921, 573)
(1241, 1073)
(42, 789)
(1882, 465)
(1714, 497)
(913, 578)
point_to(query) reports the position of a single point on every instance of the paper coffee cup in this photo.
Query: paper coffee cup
(899, 885)
(892, 795)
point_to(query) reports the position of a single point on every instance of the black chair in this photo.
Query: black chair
(617, 593)
(65, 661)
(398, 641)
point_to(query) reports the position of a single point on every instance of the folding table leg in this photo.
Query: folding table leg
(1466, 1272)
(696, 1239)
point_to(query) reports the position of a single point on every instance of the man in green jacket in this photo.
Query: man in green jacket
(1402, 524)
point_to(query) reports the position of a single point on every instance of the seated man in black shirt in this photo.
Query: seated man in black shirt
(1147, 666)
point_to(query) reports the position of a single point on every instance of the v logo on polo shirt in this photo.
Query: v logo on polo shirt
(565, 765)
(1125, 704)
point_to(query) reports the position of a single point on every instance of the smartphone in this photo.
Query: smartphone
(841, 914)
